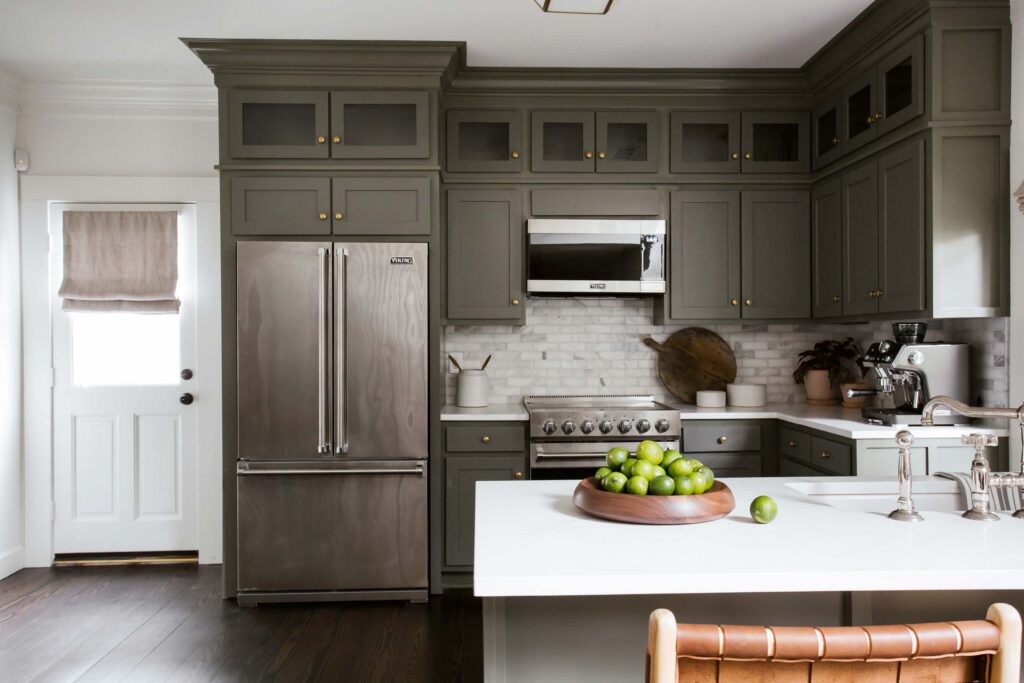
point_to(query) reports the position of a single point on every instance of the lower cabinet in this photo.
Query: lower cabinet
(732, 448)
(809, 453)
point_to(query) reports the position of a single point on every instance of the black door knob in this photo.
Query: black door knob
(186, 398)
(186, 374)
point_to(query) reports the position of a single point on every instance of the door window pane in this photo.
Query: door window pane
(278, 123)
(483, 141)
(899, 87)
(380, 124)
(828, 131)
(563, 141)
(627, 141)
(705, 141)
(858, 112)
(776, 141)
(119, 349)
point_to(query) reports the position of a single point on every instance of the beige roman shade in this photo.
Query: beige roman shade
(120, 261)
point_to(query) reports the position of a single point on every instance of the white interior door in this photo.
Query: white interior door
(124, 444)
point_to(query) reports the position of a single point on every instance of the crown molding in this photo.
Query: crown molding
(132, 99)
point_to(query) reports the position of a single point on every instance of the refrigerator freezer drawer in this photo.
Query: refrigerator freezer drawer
(332, 526)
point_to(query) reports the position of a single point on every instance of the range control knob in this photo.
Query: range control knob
(548, 427)
(643, 425)
(915, 358)
(661, 425)
(625, 426)
(605, 426)
(587, 426)
(568, 426)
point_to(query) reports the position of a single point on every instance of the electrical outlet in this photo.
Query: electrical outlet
(459, 357)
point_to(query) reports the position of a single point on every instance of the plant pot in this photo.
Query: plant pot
(856, 402)
(820, 391)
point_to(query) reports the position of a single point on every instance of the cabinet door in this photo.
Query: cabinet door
(627, 142)
(280, 206)
(562, 141)
(285, 124)
(484, 141)
(461, 474)
(485, 255)
(827, 130)
(827, 249)
(731, 464)
(901, 229)
(861, 109)
(381, 206)
(704, 255)
(380, 125)
(860, 240)
(776, 238)
(776, 142)
(791, 468)
(901, 85)
(705, 142)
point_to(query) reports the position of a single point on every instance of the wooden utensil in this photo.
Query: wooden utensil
(455, 362)
(714, 503)
(694, 359)
(486, 361)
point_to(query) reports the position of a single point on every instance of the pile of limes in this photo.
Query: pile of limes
(655, 471)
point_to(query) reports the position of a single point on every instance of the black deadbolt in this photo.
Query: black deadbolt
(187, 398)
(186, 374)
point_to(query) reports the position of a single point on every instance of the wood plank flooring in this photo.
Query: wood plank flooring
(142, 624)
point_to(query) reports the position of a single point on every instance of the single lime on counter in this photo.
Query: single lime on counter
(627, 467)
(706, 471)
(637, 486)
(615, 482)
(670, 457)
(684, 485)
(700, 482)
(680, 467)
(763, 509)
(650, 451)
(602, 472)
(616, 456)
(663, 486)
(642, 468)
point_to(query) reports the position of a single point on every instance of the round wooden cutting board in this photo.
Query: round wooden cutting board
(692, 360)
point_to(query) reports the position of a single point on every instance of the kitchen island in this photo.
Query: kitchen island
(566, 596)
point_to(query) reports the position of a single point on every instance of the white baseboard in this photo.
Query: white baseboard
(12, 560)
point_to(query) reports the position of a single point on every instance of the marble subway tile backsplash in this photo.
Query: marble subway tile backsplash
(579, 346)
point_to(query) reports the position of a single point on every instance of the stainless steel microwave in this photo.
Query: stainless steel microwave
(595, 256)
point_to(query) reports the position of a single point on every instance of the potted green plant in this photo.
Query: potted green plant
(824, 367)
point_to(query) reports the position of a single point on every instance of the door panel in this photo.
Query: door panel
(776, 255)
(705, 142)
(461, 474)
(281, 124)
(861, 105)
(280, 206)
(333, 526)
(704, 252)
(380, 125)
(827, 249)
(627, 142)
(279, 317)
(901, 229)
(380, 343)
(562, 142)
(827, 134)
(860, 240)
(381, 206)
(486, 141)
(901, 85)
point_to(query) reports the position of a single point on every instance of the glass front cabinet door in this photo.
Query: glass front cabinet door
(901, 86)
(826, 134)
(484, 141)
(861, 111)
(705, 142)
(562, 141)
(380, 125)
(776, 142)
(268, 124)
(627, 141)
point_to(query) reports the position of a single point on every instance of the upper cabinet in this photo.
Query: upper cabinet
(705, 142)
(730, 142)
(310, 124)
(901, 86)
(776, 142)
(587, 141)
(827, 123)
(484, 141)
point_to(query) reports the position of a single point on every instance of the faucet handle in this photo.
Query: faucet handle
(979, 441)
(904, 439)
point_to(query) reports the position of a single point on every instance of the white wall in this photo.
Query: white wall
(11, 511)
(1016, 335)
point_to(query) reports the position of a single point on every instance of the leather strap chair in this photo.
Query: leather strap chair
(949, 652)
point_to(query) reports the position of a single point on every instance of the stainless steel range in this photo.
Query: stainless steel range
(569, 434)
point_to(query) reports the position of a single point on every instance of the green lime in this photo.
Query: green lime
(659, 471)
(663, 486)
(763, 509)
(680, 468)
(684, 486)
(642, 468)
(700, 482)
(670, 457)
(627, 467)
(602, 473)
(614, 482)
(637, 486)
(650, 451)
(617, 456)
(695, 464)
(707, 472)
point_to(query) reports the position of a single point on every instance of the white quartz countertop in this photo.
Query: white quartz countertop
(532, 541)
(499, 412)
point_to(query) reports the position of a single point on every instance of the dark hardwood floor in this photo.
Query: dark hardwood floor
(170, 624)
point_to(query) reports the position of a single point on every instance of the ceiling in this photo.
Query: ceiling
(71, 40)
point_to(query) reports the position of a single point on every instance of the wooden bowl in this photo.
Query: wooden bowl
(716, 502)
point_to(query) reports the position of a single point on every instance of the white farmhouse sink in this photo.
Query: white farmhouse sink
(930, 494)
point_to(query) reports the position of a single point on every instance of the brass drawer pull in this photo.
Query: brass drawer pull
(515, 155)
(517, 475)
(485, 439)
(515, 302)
(722, 439)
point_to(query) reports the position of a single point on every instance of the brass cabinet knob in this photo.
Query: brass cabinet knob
(836, 298)
(336, 139)
(338, 215)
(517, 475)
(515, 302)
(735, 155)
(515, 155)
(722, 439)
(878, 116)
(749, 302)
(734, 302)
(871, 294)
(825, 455)
(323, 215)
(600, 155)
(835, 141)
(589, 155)
(879, 292)
(869, 119)
(792, 444)
(320, 139)
(748, 155)
(485, 439)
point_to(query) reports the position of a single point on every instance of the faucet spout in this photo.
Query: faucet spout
(928, 412)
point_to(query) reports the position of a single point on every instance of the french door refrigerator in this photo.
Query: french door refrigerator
(332, 421)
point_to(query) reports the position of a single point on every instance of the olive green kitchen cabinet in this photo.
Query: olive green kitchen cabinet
(808, 452)
(381, 206)
(827, 249)
(380, 125)
(731, 448)
(827, 122)
(280, 205)
(776, 142)
(484, 243)
(587, 141)
(776, 254)
(731, 142)
(484, 141)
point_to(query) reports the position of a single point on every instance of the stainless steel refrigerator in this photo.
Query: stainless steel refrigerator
(332, 421)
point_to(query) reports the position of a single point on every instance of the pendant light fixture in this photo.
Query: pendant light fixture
(575, 6)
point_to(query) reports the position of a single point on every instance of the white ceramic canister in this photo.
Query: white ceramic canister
(472, 389)
(710, 399)
(747, 395)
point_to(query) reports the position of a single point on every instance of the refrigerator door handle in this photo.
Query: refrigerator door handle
(341, 383)
(418, 470)
(323, 358)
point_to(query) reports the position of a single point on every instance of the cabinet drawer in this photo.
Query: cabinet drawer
(794, 444)
(831, 456)
(381, 206)
(484, 438)
(721, 439)
(731, 464)
(791, 468)
(280, 206)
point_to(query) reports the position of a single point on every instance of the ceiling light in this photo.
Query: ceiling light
(575, 6)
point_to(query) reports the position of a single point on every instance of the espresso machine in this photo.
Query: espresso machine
(908, 372)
